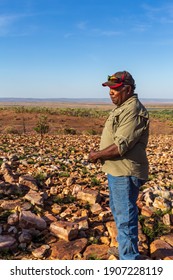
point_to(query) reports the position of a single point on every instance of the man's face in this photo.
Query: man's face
(119, 95)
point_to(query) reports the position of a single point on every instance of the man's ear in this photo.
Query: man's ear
(129, 89)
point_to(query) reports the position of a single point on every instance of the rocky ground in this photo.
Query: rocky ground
(55, 205)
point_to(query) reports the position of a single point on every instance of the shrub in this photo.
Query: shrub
(92, 257)
(95, 182)
(90, 132)
(11, 130)
(40, 177)
(64, 174)
(42, 126)
(71, 131)
(64, 200)
(153, 227)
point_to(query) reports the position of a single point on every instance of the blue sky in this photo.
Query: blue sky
(56, 48)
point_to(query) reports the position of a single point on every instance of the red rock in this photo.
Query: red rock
(7, 242)
(89, 196)
(28, 181)
(112, 229)
(34, 197)
(40, 252)
(168, 238)
(27, 219)
(160, 250)
(146, 211)
(63, 250)
(65, 230)
(96, 252)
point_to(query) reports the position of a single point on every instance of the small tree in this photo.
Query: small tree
(23, 119)
(42, 126)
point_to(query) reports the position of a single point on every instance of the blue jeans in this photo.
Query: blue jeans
(123, 193)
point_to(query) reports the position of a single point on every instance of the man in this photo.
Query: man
(123, 154)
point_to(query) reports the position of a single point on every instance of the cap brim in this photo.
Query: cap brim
(112, 85)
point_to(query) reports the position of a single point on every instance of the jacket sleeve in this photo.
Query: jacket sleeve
(130, 130)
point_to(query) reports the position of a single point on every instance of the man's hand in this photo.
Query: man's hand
(93, 156)
(109, 153)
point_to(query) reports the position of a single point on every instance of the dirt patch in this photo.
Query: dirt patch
(11, 121)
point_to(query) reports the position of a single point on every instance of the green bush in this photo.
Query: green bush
(64, 200)
(153, 227)
(71, 131)
(95, 182)
(166, 114)
(90, 132)
(42, 126)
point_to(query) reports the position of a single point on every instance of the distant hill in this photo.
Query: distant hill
(157, 100)
(67, 100)
(80, 100)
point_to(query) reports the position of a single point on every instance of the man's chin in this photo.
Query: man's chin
(115, 102)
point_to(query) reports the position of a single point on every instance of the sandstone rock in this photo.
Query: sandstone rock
(56, 208)
(105, 240)
(112, 258)
(53, 190)
(49, 218)
(10, 204)
(70, 181)
(142, 237)
(35, 197)
(161, 203)
(167, 219)
(96, 208)
(65, 230)
(89, 196)
(26, 206)
(99, 230)
(51, 239)
(27, 219)
(82, 223)
(96, 252)
(40, 252)
(13, 157)
(142, 249)
(6, 242)
(25, 237)
(63, 250)
(165, 194)
(28, 181)
(8, 175)
(149, 198)
(66, 213)
(160, 250)
(48, 182)
(76, 188)
(168, 238)
(105, 216)
(111, 227)
(8, 190)
(146, 211)
(13, 230)
(140, 204)
(13, 219)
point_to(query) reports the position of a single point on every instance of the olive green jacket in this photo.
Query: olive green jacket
(128, 127)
